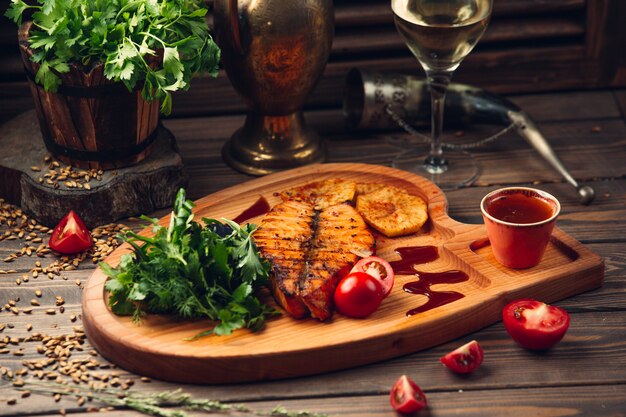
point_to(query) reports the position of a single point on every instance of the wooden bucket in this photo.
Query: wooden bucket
(91, 122)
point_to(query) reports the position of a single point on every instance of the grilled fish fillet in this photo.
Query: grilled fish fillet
(310, 251)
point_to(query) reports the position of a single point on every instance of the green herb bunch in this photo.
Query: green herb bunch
(192, 271)
(156, 44)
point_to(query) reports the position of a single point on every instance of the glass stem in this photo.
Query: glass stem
(438, 82)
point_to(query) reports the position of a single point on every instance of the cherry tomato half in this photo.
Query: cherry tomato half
(70, 235)
(535, 325)
(406, 396)
(379, 269)
(464, 359)
(358, 295)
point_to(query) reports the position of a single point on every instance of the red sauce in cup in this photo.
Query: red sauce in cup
(519, 222)
(520, 208)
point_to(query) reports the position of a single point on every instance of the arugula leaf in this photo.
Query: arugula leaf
(192, 271)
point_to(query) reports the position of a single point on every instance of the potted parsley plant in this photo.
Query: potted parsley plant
(100, 70)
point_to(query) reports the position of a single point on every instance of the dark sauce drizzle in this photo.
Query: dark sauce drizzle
(415, 255)
(261, 206)
(435, 298)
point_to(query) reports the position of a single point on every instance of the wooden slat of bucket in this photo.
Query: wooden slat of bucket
(115, 120)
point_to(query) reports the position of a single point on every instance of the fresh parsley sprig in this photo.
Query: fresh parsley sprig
(192, 271)
(155, 44)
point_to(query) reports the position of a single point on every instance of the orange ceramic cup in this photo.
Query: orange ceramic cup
(519, 222)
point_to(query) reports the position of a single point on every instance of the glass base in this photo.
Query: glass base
(459, 170)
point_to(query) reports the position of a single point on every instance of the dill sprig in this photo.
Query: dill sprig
(160, 404)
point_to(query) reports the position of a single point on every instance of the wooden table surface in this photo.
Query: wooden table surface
(584, 375)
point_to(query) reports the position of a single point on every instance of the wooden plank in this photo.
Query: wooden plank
(521, 7)
(16, 99)
(11, 65)
(572, 107)
(376, 12)
(385, 39)
(620, 98)
(496, 165)
(580, 359)
(581, 400)
(598, 15)
(584, 115)
(575, 105)
(603, 166)
(613, 291)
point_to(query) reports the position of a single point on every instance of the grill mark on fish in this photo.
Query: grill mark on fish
(310, 251)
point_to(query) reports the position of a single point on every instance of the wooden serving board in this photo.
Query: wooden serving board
(289, 347)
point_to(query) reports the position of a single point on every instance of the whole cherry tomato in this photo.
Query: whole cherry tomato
(379, 269)
(464, 359)
(406, 396)
(358, 295)
(535, 325)
(70, 235)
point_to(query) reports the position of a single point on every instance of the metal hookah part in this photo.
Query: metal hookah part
(384, 101)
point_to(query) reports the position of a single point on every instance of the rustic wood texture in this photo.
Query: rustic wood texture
(583, 375)
(158, 348)
(120, 193)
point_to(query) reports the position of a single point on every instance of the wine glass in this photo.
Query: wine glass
(440, 33)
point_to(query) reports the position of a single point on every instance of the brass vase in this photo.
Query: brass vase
(274, 52)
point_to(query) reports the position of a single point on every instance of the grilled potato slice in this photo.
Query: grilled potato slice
(392, 211)
(322, 194)
(368, 187)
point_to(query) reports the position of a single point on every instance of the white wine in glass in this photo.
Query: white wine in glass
(440, 33)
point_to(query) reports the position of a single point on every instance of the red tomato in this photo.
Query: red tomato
(406, 396)
(535, 325)
(70, 235)
(464, 359)
(379, 269)
(358, 295)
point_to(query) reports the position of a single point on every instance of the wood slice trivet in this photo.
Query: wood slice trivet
(142, 188)
(289, 347)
